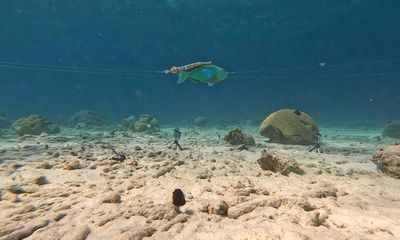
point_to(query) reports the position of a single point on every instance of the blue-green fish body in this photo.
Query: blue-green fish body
(209, 74)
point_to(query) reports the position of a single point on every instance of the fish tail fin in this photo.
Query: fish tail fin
(182, 76)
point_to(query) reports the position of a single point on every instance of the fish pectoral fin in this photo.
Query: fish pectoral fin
(182, 76)
(210, 84)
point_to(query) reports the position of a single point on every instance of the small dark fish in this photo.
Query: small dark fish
(297, 112)
(219, 136)
(178, 198)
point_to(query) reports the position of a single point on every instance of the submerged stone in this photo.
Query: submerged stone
(112, 197)
(35, 125)
(274, 162)
(237, 137)
(392, 129)
(388, 160)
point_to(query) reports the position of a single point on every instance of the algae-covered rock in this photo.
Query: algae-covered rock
(35, 125)
(127, 121)
(248, 140)
(236, 137)
(87, 117)
(145, 118)
(4, 123)
(388, 160)
(289, 126)
(140, 127)
(392, 129)
(200, 121)
(145, 123)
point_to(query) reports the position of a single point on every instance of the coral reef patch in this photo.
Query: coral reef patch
(289, 126)
(35, 125)
(144, 123)
(127, 121)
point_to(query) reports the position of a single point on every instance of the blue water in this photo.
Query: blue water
(237, 35)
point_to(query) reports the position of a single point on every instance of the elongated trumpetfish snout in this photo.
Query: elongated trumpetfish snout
(187, 67)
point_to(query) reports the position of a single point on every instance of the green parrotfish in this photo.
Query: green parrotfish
(209, 74)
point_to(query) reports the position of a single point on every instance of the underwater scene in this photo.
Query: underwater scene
(171, 119)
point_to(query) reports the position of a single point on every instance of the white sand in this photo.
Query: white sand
(262, 204)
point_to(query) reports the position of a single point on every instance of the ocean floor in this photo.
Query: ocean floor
(67, 186)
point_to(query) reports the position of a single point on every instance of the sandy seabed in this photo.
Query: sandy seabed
(67, 186)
